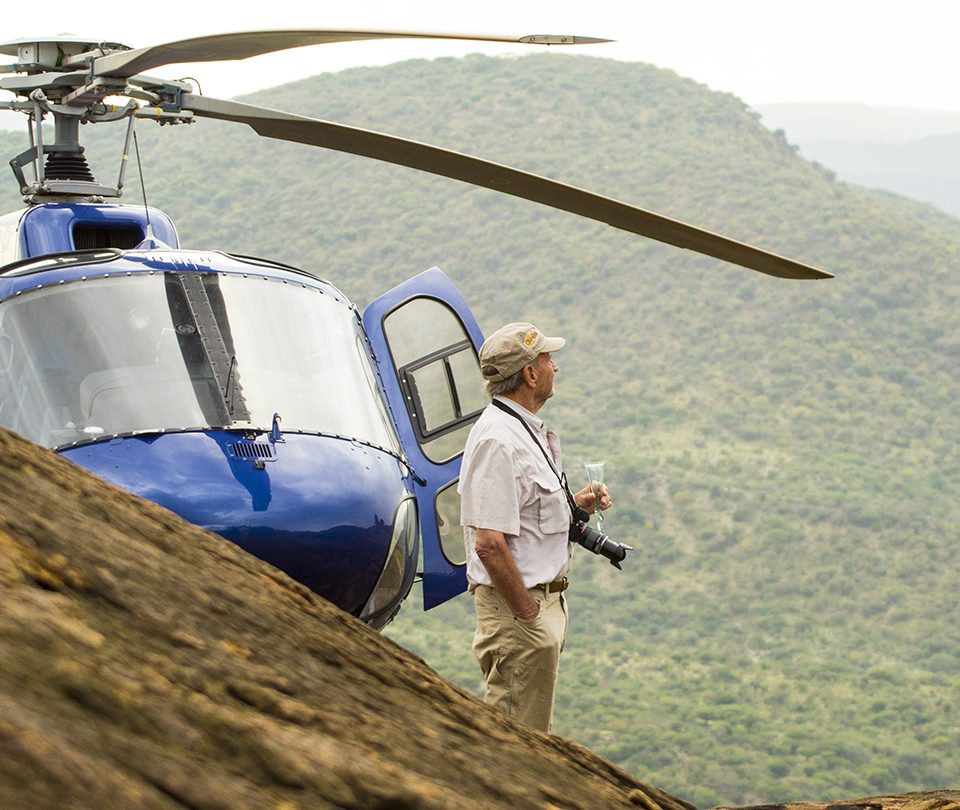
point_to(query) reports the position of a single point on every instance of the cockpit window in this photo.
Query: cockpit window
(183, 351)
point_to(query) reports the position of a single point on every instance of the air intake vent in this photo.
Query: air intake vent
(252, 451)
(93, 237)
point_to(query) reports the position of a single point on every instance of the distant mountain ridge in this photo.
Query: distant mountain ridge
(911, 152)
(858, 122)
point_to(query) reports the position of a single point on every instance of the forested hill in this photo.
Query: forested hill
(783, 454)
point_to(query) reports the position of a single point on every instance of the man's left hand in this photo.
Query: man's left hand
(586, 498)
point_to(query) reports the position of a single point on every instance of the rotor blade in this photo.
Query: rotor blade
(312, 131)
(244, 44)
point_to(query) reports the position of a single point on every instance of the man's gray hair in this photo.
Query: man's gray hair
(501, 388)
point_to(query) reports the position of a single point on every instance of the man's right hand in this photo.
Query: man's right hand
(530, 614)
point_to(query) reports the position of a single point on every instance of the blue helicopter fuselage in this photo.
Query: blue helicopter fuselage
(243, 395)
(303, 513)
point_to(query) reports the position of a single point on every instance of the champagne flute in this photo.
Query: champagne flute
(595, 475)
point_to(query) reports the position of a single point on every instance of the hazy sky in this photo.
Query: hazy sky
(879, 52)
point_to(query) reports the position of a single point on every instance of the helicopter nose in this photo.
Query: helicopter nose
(322, 510)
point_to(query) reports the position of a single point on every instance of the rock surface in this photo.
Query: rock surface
(147, 663)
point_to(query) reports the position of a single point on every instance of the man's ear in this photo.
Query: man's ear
(530, 375)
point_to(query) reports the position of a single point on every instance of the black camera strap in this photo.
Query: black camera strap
(578, 513)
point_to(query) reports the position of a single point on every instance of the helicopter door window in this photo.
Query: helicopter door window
(439, 374)
(465, 370)
(432, 398)
(437, 393)
(448, 524)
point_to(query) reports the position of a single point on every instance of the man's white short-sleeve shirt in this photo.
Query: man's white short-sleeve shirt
(507, 485)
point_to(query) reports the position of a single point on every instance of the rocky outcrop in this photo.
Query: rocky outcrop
(147, 663)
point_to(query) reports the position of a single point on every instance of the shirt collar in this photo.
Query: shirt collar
(528, 416)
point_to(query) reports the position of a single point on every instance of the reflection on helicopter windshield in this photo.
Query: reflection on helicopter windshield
(181, 351)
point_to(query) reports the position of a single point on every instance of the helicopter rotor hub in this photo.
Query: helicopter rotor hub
(60, 54)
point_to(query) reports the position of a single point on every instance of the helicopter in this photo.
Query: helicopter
(248, 396)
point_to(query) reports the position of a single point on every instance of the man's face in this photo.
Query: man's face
(546, 371)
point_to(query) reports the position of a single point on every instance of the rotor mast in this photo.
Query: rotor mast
(50, 73)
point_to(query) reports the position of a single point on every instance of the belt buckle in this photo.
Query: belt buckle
(558, 586)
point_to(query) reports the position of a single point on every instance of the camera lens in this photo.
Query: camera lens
(598, 543)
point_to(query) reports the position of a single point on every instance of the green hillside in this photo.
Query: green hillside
(783, 454)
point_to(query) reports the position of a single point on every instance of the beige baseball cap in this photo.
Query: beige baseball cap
(512, 347)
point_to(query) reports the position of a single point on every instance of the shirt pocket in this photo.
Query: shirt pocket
(552, 502)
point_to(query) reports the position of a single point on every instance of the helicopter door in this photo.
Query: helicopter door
(426, 342)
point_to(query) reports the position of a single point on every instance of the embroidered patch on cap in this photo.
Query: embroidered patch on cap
(530, 338)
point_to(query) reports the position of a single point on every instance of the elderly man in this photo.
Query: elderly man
(516, 518)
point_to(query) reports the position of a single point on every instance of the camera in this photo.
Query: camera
(597, 542)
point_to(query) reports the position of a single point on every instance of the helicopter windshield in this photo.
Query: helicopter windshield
(183, 351)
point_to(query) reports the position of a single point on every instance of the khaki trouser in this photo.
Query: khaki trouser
(520, 659)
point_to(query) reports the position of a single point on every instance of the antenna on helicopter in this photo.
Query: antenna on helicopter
(143, 189)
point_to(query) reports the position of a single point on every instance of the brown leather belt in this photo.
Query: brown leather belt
(557, 586)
